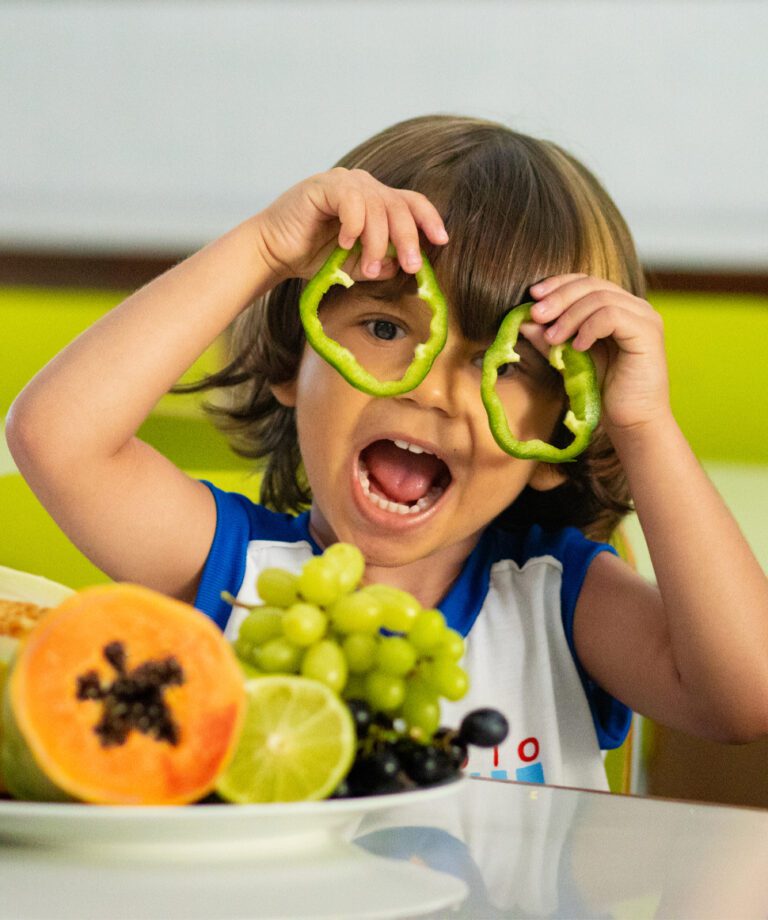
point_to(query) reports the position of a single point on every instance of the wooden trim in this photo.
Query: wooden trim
(77, 270)
(713, 282)
(128, 272)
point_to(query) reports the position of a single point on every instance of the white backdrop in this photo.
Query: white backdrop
(155, 126)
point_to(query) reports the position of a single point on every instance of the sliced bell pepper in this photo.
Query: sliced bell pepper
(581, 386)
(342, 358)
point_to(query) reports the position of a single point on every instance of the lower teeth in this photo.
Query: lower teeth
(426, 501)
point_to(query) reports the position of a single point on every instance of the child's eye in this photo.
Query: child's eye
(507, 370)
(503, 370)
(384, 329)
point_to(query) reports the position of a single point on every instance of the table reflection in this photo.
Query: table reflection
(533, 851)
(492, 849)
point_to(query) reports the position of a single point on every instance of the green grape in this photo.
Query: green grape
(354, 689)
(325, 662)
(447, 678)
(249, 670)
(400, 608)
(451, 646)
(428, 630)
(319, 582)
(278, 656)
(395, 655)
(360, 651)
(349, 563)
(261, 625)
(277, 587)
(384, 692)
(304, 624)
(421, 709)
(359, 612)
(244, 649)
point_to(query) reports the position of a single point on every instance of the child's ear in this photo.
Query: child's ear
(285, 393)
(546, 476)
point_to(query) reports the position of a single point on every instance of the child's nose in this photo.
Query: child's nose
(440, 389)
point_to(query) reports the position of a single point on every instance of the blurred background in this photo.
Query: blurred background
(132, 133)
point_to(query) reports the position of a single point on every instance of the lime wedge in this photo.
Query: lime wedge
(297, 743)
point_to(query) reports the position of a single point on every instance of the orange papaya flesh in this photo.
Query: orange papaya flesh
(121, 695)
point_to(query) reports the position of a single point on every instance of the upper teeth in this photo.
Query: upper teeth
(413, 448)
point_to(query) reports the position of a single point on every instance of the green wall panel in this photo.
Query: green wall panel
(718, 364)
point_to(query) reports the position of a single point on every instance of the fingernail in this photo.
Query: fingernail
(552, 332)
(413, 258)
(541, 309)
(539, 289)
(373, 269)
(441, 235)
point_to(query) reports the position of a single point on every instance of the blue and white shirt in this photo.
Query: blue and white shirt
(513, 602)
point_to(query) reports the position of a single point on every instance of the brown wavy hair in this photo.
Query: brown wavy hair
(517, 209)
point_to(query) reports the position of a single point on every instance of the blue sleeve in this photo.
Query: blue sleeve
(612, 718)
(225, 566)
(238, 522)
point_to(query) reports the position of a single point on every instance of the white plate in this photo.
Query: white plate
(214, 862)
(170, 829)
(340, 882)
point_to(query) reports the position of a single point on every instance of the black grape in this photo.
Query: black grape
(483, 728)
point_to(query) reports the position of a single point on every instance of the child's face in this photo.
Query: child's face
(399, 505)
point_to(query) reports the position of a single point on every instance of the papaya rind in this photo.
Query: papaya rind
(28, 746)
(19, 771)
(16, 585)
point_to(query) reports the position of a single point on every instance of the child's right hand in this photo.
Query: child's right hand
(299, 229)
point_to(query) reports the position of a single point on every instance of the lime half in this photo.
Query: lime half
(297, 743)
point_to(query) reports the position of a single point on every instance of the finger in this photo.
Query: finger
(571, 320)
(375, 236)
(547, 285)
(426, 216)
(534, 333)
(351, 212)
(571, 292)
(628, 331)
(404, 234)
(551, 296)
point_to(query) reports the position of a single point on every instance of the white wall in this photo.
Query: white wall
(158, 125)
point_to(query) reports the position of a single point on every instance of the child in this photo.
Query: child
(563, 636)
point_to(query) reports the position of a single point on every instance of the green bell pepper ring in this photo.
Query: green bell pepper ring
(579, 377)
(342, 358)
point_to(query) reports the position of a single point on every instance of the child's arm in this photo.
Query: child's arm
(72, 429)
(693, 653)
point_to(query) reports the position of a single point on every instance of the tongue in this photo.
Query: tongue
(400, 475)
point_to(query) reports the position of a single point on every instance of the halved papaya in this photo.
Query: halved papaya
(121, 695)
(24, 598)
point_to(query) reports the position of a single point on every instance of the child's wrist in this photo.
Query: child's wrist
(271, 269)
(660, 429)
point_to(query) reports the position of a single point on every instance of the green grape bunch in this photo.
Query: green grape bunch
(375, 644)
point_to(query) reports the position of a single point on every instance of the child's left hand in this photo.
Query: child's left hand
(625, 336)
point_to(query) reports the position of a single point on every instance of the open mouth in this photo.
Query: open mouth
(401, 477)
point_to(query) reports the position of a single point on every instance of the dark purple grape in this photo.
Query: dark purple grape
(447, 739)
(383, 720)
(342, 791)
(427, 765)
(362, 716)
(483, 728)
(375, 774)
(404, 747)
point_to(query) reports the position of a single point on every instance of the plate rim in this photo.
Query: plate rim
(15, 808)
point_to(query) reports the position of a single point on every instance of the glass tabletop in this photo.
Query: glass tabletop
(493, 849)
